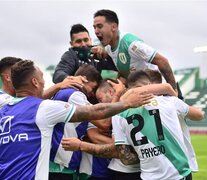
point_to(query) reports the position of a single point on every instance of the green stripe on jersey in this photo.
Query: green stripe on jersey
(123, 57)
(70, 113)
(173, 151)
(152, 57)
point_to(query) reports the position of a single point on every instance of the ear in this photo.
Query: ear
(34, 82)
(114, 26)
(7, 77)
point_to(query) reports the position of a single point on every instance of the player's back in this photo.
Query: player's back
(154, 131)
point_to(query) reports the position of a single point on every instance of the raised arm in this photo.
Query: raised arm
(165, 69)
(158, 89)
(70, 81)
(100, 52)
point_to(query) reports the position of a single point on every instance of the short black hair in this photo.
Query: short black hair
(137, 76)
(8, 62)
(21, 71)
(110, 16)
(104, 85)
(91, 73)
(155, 76)
(77, 28)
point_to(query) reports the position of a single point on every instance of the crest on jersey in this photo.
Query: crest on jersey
(5, 124)
(122, 58)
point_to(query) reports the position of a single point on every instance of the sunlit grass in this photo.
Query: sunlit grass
(200, 146)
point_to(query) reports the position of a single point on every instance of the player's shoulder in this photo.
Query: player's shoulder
(129, 37)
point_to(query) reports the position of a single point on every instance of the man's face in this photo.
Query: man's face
(90, 88)
(81, 39)
(104, 96)
(103, 30)
(40, 80)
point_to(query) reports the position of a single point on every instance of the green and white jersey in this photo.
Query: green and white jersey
(187, 140)
(118, 166)
(131, 54)
(155, 133)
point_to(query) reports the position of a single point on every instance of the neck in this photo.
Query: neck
(25, 93)
(9, 90)
(115, 40)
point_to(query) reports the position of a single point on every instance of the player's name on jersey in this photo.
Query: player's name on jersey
(153, 151)
(153, 102)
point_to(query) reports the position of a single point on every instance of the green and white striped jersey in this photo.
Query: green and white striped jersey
(155, 133)
(131, 54)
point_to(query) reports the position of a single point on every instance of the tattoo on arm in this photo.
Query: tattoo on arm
(98, 111)
(165, 69)
(102, 150)
(127, 154)
(168, 74)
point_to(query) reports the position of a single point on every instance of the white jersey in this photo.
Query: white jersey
(155, 133)
(96, 166)
(116, 164)
(68, 159)
(187, 140)
(25, 137)
(4, 98)
(131, 54)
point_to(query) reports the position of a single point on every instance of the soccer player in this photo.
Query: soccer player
(65, 164)
(110, 93)
(155, 77)
(128, 52)
(27, 122)
(7, 92)
(79, 53)
(161, 149)
(155, 133)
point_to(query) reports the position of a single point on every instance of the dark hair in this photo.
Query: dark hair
(77, 28)
(110, 16)
(20, 72)
(104, 85)
(137, 76)
(90, 72)
(154, 75)
(7, 62)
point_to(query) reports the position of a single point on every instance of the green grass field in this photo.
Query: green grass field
(200, 146)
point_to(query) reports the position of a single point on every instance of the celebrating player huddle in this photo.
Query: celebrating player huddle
(129, 126)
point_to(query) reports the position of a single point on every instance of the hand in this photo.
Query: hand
(76, 82)
(71, 144)
(119, 87)
(99, 51)
(123, 80)
(135, 98)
